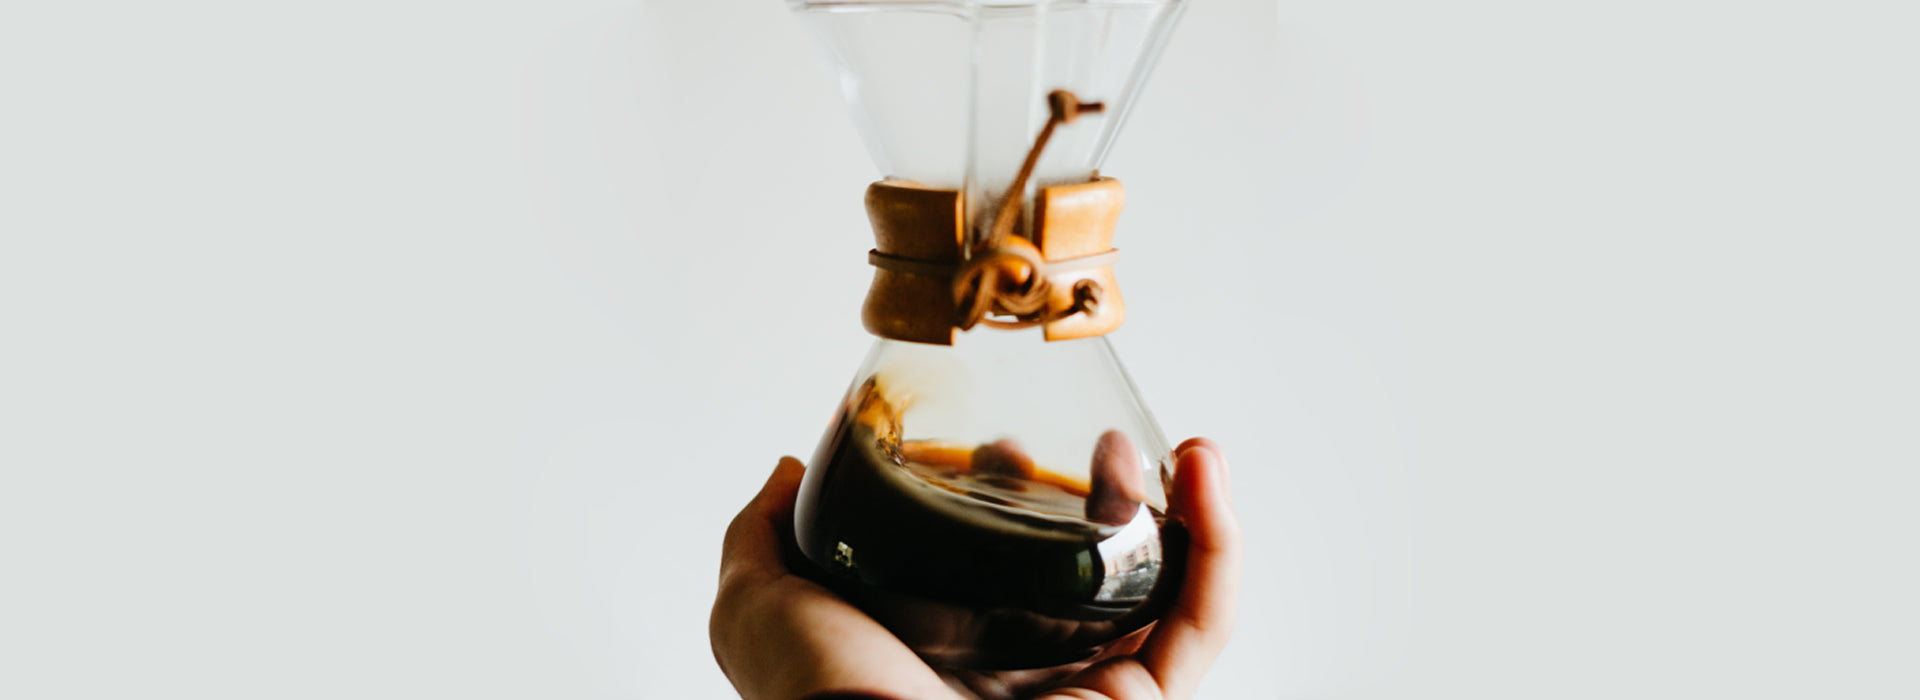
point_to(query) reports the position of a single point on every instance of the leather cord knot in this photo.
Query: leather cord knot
(938, 273)
(1004, 281)
(1014, 281)
(1002, 274)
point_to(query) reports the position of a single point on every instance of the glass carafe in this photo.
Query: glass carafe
(993, 488)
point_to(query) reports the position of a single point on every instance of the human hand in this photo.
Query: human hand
(778, 636)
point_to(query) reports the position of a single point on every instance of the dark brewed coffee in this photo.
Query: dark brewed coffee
(977, 558)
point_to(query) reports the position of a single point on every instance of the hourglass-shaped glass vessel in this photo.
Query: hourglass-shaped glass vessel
(993, 489)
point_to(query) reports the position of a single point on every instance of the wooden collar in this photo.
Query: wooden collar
(1059, 276)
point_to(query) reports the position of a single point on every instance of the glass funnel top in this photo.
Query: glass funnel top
(950, 93)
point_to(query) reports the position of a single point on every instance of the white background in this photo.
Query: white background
(412, 349)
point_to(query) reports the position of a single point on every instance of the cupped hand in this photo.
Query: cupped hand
(778, 636)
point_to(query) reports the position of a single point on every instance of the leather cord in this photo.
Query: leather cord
(933, 269)
(1087, 294)
(1004, 274)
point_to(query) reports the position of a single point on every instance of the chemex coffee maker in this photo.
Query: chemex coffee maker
(993, 489)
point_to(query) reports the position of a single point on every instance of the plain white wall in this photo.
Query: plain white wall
(423, 349)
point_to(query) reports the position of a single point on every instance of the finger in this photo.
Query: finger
(1185, 642)
(776, 497)
(1211, 445)
(753, 544)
